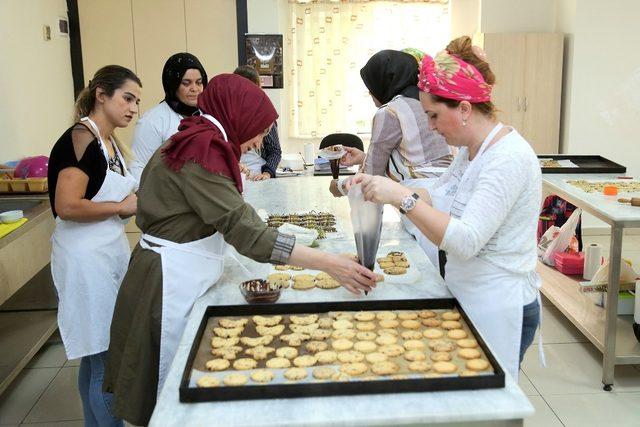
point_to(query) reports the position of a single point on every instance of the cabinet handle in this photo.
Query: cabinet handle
(518, 102)
(525, 104)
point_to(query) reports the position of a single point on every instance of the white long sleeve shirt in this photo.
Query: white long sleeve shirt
(155, 127)
(497, 218)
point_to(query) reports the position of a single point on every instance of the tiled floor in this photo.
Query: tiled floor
(566, 393)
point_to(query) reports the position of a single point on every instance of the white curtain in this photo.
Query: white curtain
(329, 42)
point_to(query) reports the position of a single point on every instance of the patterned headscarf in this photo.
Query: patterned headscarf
(450, 77)
(416, 53)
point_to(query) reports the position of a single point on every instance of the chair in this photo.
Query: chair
(345, 139)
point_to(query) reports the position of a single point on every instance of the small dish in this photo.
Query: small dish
(10, 217)
(259, 291)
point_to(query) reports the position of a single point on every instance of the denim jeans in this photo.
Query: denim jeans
(530, 321)
(96, 405)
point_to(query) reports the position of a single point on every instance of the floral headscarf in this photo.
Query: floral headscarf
(450, 77)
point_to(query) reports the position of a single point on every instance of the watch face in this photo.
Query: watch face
(408, 203)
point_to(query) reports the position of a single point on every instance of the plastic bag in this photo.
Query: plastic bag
(558, 239)
(366, 218)
(304, 236)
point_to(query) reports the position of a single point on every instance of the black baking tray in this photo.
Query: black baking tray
(586, 164)
(353, 387)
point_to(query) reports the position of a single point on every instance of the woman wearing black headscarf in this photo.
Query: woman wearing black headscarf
(183, 79)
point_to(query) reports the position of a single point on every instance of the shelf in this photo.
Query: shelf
(564, 293)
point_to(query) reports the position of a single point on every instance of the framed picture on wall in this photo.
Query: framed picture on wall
(264, 53)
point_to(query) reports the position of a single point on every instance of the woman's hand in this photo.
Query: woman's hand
(351, 275)
(353, 156)
(128, 206)
(379, 189)
(260, 176)
(243, 169)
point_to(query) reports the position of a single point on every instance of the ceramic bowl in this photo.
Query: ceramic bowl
(259, 291)
(11, 216)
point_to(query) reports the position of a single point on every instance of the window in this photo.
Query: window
(328, 43)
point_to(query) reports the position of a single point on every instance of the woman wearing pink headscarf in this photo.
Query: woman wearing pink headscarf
(483, 210)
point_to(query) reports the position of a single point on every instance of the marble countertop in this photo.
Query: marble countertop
(307, 193)
(604, 207)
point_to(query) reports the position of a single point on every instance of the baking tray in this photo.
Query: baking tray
(586, 164)
(354, 386)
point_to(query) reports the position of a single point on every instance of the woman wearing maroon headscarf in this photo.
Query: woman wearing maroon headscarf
(189, 207)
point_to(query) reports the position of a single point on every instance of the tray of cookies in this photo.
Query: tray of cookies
(323, 222)
(578, 163)
(337, 348)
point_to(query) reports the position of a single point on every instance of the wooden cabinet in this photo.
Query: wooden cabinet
(527, 93)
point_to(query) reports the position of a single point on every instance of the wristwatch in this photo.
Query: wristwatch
(408, 203)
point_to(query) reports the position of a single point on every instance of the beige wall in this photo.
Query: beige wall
(142, 34)
(504, 16)
(465, 17)
(36, 105)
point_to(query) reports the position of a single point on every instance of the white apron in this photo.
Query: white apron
(491, 296)
(88, 262)
(188, 271)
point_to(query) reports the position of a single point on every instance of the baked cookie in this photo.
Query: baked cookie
(326, 357)
(304, 329)
(457, 334)
(431, 322)
(282, 267)
(304, 361)
(244, 364)
(388, 323)
(278, 363)
(296, 268)
(386, 264)
(386, 339)
(342, 344)
(441, 345)
(411, 335)
(365, 346)
(388, 331)
(444, 367)
(217, 364)
(228, 353)
(392, 350)
(304, 285)
(386, 315)
(235, 379)
(342, 324)
(467, 343)
(414, 355)
(468, 373)
(233, 323)
(294, 339)
(303, 320)
(218, 342)
(270, 330)
(468, 353)
(278, 277)
(341, 315)
(303, 278)
(266, 320)
(255, 342)
(401, 264)
(343, 334)
(427, 314)
(419, 366)
(295, 374)
(287, 352)
(385, 368)
(279, 284)
(450, 315)
(477, 364)
(366, 336)
(325, 322)
(327, 284)
(316, 346)
(208, 381)
(407, 315)
(375, 357)
(451, 324)
(262, 376)
(354, 369)
(384, 259)
(260, 352)
(323, 276)
(364, 316)
(410, 324)
(413, 345)
(432, 333)
(365, 326)
(323, 372)
(340, 377)
(441, 356)
(394, 271)
(350, 356)
(320, 334)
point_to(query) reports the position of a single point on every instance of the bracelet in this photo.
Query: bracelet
(340, 184)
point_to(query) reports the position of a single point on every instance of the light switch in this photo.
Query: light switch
(46, 32)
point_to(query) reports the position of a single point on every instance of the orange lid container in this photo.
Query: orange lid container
(610, 190)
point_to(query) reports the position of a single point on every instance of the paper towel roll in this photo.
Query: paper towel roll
(592, 260)
(309, 153)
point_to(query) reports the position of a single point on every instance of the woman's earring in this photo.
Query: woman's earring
(464, 122)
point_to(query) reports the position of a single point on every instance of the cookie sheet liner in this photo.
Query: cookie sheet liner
(281, 387)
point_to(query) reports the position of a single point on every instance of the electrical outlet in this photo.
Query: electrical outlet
(46, 32)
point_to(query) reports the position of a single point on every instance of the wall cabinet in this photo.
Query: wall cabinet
(527, 93)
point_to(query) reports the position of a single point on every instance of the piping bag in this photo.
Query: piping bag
(366, 219)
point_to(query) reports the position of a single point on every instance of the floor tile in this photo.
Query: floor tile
(23, 393)
(556, 329)
(590, 410)
(72, 362)
(50, 407)
(574, 369)
(49, 356)
(526, 385)
(544, 416)
(74, 423)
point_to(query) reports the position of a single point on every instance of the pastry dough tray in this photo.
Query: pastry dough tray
(280, 387)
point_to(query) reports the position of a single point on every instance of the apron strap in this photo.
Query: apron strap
(183, 247)
(217, 124)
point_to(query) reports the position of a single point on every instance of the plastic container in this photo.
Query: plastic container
(10, 217)
(610, 190)
(32, 167)
(567, 263)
